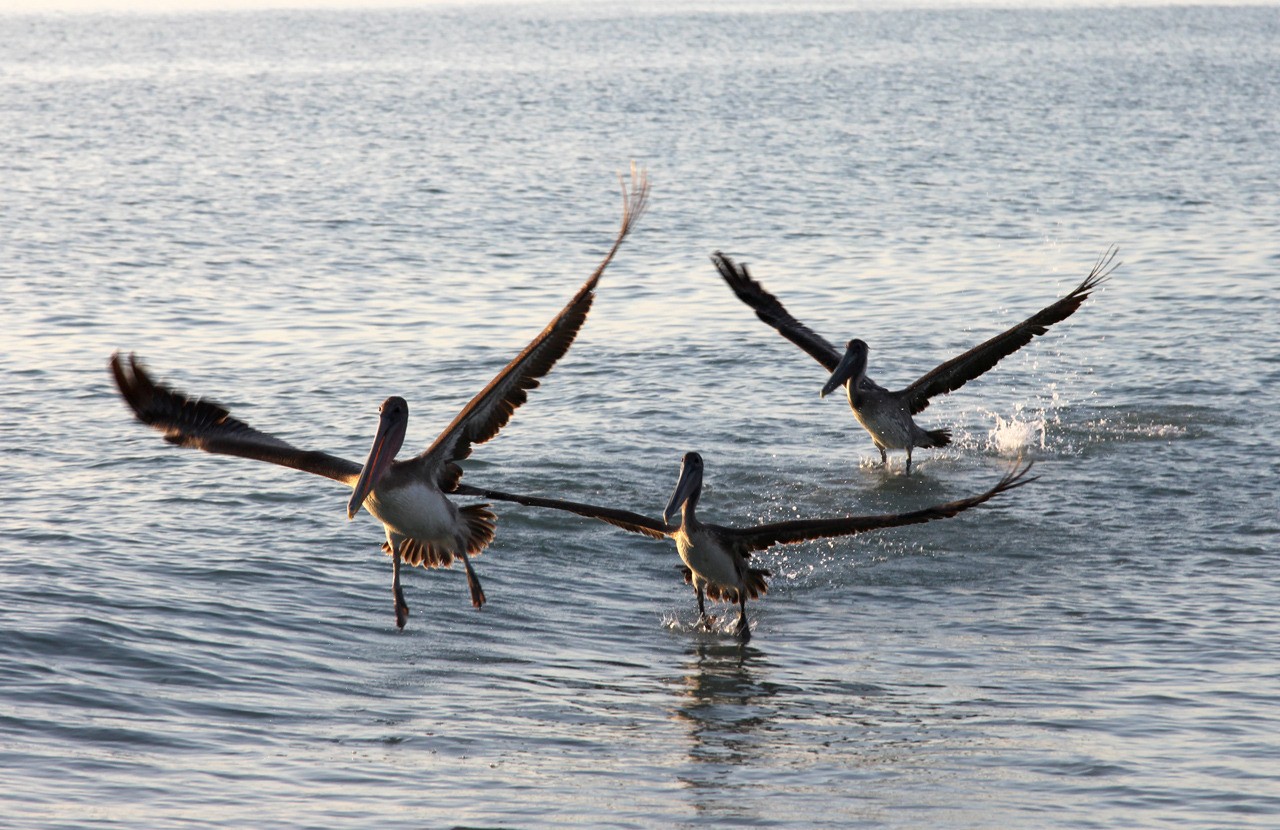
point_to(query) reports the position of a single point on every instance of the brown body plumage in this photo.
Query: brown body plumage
(423, 527)
(716, 559)
(887, 415)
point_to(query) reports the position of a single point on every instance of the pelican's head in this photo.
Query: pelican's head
(851, 367)
(393, 420)
(688, 487)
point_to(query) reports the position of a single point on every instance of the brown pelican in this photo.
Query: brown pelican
(885, 414)
(423, 527)
(717, 558)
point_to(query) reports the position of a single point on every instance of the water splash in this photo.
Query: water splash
(1018, 432)
(1131, 427)
(1034, 424)
(789, 566)
(722, 622)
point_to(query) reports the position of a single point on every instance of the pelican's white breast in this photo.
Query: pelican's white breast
(706, 556)
(416, 510)
(885, 418)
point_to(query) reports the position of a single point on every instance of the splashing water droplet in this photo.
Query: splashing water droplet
(1017, 433)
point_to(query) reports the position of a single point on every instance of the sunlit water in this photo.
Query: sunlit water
(300, 214)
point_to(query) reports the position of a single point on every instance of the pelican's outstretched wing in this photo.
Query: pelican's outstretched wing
(624, 519)
(771, 311)
(785, 533)
(489, 411)
(203, 424)
(953, 374)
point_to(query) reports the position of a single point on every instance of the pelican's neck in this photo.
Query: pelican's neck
(857, 376)
(688, 510)
(852, 388)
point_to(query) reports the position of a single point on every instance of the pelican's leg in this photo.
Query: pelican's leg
(884, 457)
(402, 607)
(473, 582)
(744, 627)
(908, 461)
(703, 619)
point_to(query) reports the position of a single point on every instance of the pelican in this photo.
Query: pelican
(886, 415)
(423, 527)
(717, 558)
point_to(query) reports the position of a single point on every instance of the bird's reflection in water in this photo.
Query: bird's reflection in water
(728, 703)
(746, 722)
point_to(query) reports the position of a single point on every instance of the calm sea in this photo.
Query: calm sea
(298, 214)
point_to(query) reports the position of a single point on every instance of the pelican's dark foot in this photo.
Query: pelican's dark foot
(908, 462)
(884, 458)
(744, 630)
(402, 607)
(704, 621)
(402, 611)
(473, 584)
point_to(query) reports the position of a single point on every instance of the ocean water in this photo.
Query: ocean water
(300, 213)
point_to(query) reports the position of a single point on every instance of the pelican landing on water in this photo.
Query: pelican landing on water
(423, 527)
(883, 413)
(716, 558)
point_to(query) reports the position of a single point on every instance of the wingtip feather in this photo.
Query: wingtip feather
(1015, 477)
(1100, 273)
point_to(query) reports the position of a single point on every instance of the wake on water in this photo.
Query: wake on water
(724, 620)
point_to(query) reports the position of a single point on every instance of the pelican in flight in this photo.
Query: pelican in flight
(717, 558)
(408, 496)
(885, 414)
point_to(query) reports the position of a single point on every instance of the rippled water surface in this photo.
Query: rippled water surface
(298, 214)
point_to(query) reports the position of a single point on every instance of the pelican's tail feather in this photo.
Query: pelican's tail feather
(755, 586)
(938, 437)
(481, 525)
(416, 553)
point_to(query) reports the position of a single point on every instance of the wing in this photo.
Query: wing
(489, 411)
(785, 533)
(203, 424)
(624, 519)
(955, 373)
(772, 312)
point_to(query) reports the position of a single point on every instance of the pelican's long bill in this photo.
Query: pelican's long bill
(392, 424)
(853, 364)
(688, 486)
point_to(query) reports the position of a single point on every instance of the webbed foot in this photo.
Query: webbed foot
(473, 584)
(402, 611)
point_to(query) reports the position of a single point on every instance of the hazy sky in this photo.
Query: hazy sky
(27, 6)
(144, 6)
(168, 6)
